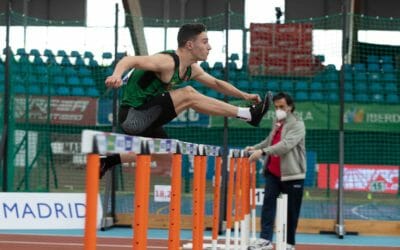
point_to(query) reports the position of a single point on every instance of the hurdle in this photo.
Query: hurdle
(281, 222)
(95, 143)
(241, 190)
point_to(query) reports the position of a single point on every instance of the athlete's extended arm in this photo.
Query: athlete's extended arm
(156, 63)
(221, 86)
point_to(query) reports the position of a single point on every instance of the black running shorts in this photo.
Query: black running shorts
(167, 114)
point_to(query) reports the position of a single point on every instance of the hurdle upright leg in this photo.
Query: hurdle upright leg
(142, 189)
(175, 204)
(92, 190)
(217, 197)
(229, 198)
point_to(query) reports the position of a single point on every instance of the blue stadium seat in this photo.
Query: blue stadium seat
(317, 86)
(34, 90)
(287, 86)
(51, 60)
(348, 76)
(48, 53)
(35, 52)
(374, 76)
(43, 79)
(387, 67)
(106, 55)
(243, 85)
(84, 71)
(24, 59)
(62, 53)
(348, 68)
(348, 97)
(218, 66)
(69, 71)
(331, 76)
(38, 60)
(19, 89)
(333, 86)
(21, 52)
(55, 70)
(389, 77)
(77, 91)
(376, 87)
(301, 96)
(232, 66)
(242, 75)
(59, 80)
(372, 59)
(65, 61)
(361, 97)
(360, 76)
(46, 89)
(387, 59)
(348, 86)
(316, 96)
(258, 85)
(273, 85)
(234, 57)
(360, 87)
(301, 86)
(75, 53)
(88, 54)
(32, 79)
(333, 97)
(88, 81)
(79, 61)
(373, 67)
(359, 67)
(330, 68)
(216, 73)
(390, 87)
(392, 98)
(205, 66)
(62, 90)
(73, 80)
(378, 98)
(93, 63)
(93, 92)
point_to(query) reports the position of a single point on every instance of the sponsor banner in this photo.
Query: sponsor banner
(359, 117)
(369, 178)
(162, 193)
(44, 211)
(69, 110)
(190, 117)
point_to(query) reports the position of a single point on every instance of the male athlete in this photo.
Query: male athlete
(152, 97)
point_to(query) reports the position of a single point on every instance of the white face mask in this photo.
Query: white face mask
(280, 114)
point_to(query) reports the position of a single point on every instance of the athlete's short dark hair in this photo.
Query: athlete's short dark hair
(189, 31)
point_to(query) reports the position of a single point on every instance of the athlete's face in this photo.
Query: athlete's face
(200, 47)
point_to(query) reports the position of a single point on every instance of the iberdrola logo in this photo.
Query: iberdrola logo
(354, 115)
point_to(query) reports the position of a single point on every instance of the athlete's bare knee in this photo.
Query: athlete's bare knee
(190, 93)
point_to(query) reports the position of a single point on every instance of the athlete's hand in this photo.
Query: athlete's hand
(253, 97)
(113, 81)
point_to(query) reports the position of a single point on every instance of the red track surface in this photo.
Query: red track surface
(41, 242)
